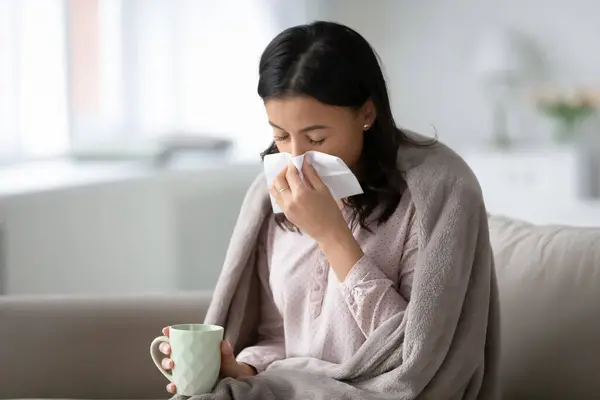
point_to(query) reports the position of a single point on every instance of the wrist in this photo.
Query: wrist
(335, 233)
(341, 250)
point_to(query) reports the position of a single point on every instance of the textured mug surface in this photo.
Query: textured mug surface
(196, 354)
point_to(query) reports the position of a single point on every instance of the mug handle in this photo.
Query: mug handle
(157, 355)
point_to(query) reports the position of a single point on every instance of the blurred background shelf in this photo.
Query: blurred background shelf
(540, 185)
(139, 230)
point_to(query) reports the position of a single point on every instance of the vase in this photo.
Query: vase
(565, 133)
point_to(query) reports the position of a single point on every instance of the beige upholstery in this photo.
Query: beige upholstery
(97, 348)
(549, 279)
(88, 348)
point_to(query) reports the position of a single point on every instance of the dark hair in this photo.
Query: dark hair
(336, 66)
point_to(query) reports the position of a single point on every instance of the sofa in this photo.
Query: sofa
(91, 347)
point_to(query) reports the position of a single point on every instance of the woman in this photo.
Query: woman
(331, 272)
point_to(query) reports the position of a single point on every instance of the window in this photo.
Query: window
(33, 100)
(83, 74)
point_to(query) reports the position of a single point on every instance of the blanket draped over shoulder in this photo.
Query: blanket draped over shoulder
(444, 346)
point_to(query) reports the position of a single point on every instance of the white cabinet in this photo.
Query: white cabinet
(541, 186)
(109, 238)
(161, 232)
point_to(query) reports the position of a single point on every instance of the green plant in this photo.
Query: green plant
(568, 110)
(568, 113)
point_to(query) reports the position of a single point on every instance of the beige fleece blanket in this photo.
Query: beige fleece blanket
(446, 344)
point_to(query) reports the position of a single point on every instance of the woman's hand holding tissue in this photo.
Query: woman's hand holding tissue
(309, 205)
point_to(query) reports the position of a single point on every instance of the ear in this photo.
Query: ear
(368, 114)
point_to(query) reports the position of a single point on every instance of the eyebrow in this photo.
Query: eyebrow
(303, 130)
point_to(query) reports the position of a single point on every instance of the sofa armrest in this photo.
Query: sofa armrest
(88, 347)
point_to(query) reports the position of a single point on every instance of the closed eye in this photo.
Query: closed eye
(311, 141)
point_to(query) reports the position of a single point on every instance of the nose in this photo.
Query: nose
(298, 148)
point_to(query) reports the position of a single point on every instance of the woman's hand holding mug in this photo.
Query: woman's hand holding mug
(230, 368)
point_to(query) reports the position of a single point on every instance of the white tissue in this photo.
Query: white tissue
(333, 171)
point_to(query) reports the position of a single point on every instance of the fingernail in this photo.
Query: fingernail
(163, 347)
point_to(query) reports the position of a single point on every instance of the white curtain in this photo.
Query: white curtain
(33, 99)
(177, 66)
(82, 73)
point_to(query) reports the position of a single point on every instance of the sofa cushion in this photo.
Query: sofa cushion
(549, 281)
(88, 346)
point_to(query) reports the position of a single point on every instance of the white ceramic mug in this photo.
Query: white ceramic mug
(196, 354)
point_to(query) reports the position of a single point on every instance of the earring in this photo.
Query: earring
(366, 127)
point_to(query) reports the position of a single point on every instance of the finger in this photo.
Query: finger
(229, 365)
(311, 175)
(227, 356)
(293, 177)
(171, 388)
(281, 186)
(166, 331)
(165, 348)
(167, 363)
(280, 181)
(276, 195)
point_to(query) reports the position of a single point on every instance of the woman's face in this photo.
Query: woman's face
(301, 124)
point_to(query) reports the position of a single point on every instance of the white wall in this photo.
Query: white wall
(170, 231)
(425, 46)
(160, 233)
